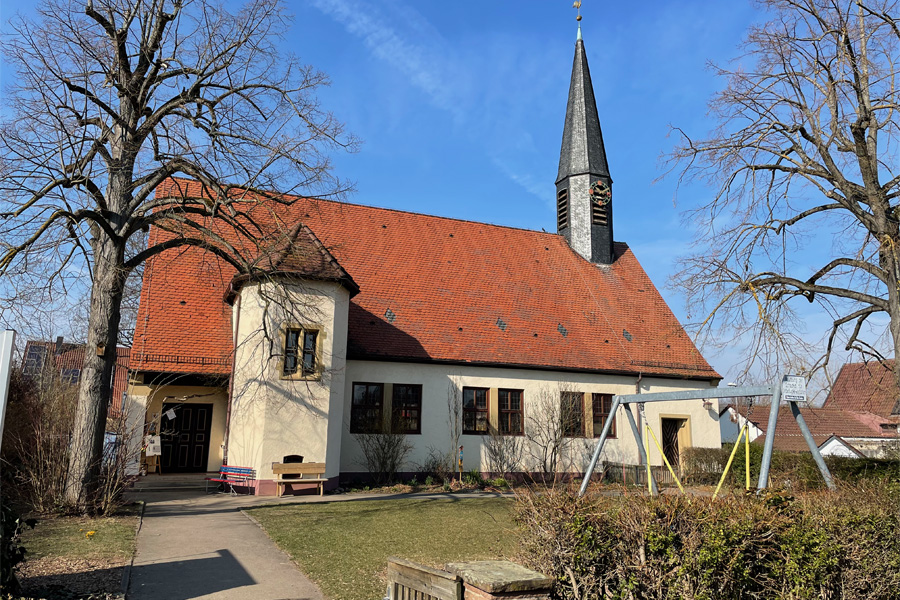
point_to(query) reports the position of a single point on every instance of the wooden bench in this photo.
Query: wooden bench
(232, 476)
(315, 471)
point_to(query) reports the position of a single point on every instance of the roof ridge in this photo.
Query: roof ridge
(409, 212)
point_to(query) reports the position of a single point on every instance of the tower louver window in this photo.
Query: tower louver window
(598, 214)
(562, 209)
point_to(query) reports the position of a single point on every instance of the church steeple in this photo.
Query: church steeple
(584, 185)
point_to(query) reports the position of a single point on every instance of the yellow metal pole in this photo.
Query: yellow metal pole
(666, 460)
(647, 452)
(747, 454)
(737, 444)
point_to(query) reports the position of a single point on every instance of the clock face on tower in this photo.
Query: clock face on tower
(600, 193)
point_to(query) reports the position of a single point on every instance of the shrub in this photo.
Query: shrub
(12, 553)
(438, 464)
(37, 442)
(796, 470)
(429, 481)
(504, 452)
(473, 478)
(815, 545)
(383, 454)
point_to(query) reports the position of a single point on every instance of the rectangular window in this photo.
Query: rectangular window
(300, 351)
(601, 404)
(562, 209)
(571, 413)
(475, 410)
(407, 408)
(366, 408)
(510, 412)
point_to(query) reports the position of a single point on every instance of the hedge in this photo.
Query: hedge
(836, 545)
(795, 470)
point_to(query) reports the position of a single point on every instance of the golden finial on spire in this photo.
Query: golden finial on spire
(577, 6)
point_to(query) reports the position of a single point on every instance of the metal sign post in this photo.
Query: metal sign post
(770, 437)
(7, 343)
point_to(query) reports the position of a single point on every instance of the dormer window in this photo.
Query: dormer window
(300, 352)
(562, 209)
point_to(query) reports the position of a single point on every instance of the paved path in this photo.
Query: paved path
(196, 546)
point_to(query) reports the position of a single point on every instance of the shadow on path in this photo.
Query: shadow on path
(173, 579)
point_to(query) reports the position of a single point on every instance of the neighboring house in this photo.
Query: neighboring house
(371, 321)
(733, 417)
(67, 361)
(836, 432)
(869, 391)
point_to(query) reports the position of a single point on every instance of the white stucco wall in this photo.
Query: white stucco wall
(703, 426)
(272, 415)
(731, 424)
(834, 447)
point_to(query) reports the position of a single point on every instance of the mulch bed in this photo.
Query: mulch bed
(54, 578)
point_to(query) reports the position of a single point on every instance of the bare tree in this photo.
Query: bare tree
(454, 416)
(804, 153)
(504, 452)
(550, 420)
(115, 97)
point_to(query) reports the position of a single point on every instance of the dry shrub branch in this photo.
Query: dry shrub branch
(843, 545)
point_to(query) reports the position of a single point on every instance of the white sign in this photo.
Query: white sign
(170, 414)
(154, 445)
(793, 388)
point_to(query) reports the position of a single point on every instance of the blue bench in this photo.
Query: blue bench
(232, 476)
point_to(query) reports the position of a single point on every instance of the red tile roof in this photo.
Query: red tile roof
(298, 255)
(431, 289)
(866, 386)
(822, 423)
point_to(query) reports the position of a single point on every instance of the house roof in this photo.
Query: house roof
(822, 422)
(299, 254)
(70, 361)
(430, 289)
(844, 443)
(866, 386)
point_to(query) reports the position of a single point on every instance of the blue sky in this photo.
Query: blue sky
(460, 104)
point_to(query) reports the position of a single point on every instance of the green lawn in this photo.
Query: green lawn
(70, 537)
(343, 546)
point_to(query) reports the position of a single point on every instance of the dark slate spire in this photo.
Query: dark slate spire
(584, 207)
(582, 145)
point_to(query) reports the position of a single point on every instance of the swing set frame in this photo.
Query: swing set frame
(708, 394)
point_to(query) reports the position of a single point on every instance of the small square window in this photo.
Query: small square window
(601, 405)
(475, 411)
(300, 351)
(366, 408)
(510, 412)
(407, 408)
(571, 414)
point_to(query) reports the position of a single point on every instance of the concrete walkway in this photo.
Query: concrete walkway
(193, 545)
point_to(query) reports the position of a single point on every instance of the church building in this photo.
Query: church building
(370, 321)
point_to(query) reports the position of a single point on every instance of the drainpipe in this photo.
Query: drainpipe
(237, 325)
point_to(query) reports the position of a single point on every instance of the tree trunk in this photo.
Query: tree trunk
(86, 449)
(893, 284)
